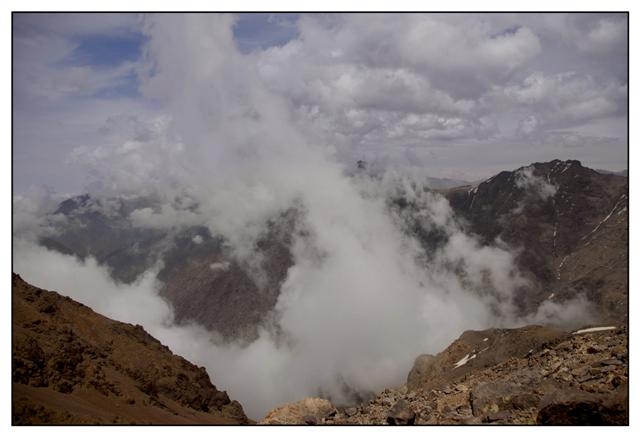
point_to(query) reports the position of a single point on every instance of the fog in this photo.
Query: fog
(362, 298)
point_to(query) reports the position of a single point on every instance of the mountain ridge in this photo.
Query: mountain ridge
(71, 365)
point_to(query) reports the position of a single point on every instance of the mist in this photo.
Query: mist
(362, 298)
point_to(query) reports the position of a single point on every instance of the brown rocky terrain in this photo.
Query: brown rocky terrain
(74, 366)
(529, 375)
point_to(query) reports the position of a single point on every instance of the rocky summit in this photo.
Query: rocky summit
(74, 366)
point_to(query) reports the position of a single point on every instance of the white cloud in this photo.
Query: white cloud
(197, 239)
(166, 217)
(44, 67)
(607, 34)
(533, 184)
(379, 85)
(566, 99)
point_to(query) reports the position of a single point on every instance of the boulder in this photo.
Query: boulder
(306, 411)
(421, 371)
(401, 414)
(581, 408)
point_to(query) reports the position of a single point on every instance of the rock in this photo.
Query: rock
(616, 381)
(487, 397)
(387, 401)
(310, 420)
(523, 401)
(421, 371)
(611, 362)
(401, 414)
(351, 411)
(497, 416)
(298, 413)
(580, 408)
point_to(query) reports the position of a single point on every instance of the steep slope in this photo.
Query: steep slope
(569, 224)
(72, 365)
(206, 284)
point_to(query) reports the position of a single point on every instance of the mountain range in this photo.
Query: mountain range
(566, 224)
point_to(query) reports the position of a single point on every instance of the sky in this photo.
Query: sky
(462, 96)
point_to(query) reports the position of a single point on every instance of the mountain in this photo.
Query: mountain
(528, 375)
(100, 228)
(566, 224)
(569, 223)
(199, 274)
(74, 366)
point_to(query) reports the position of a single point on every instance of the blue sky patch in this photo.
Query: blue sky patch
(260, 31)
(108, 51)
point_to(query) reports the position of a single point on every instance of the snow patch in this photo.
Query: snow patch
(222, 266)
(464, 360)
(595, 329)
(197, 239)
(606, 218)
(566, 167)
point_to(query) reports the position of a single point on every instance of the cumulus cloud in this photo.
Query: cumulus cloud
(565, 99)
(379, 79)
(605, 35)
(44, 47)
(370, 85)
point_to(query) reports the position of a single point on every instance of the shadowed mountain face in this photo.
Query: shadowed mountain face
(199, 275)
(568, 225)
(74, 366)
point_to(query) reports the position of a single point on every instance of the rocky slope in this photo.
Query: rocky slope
(529, 375)
(74, 366)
